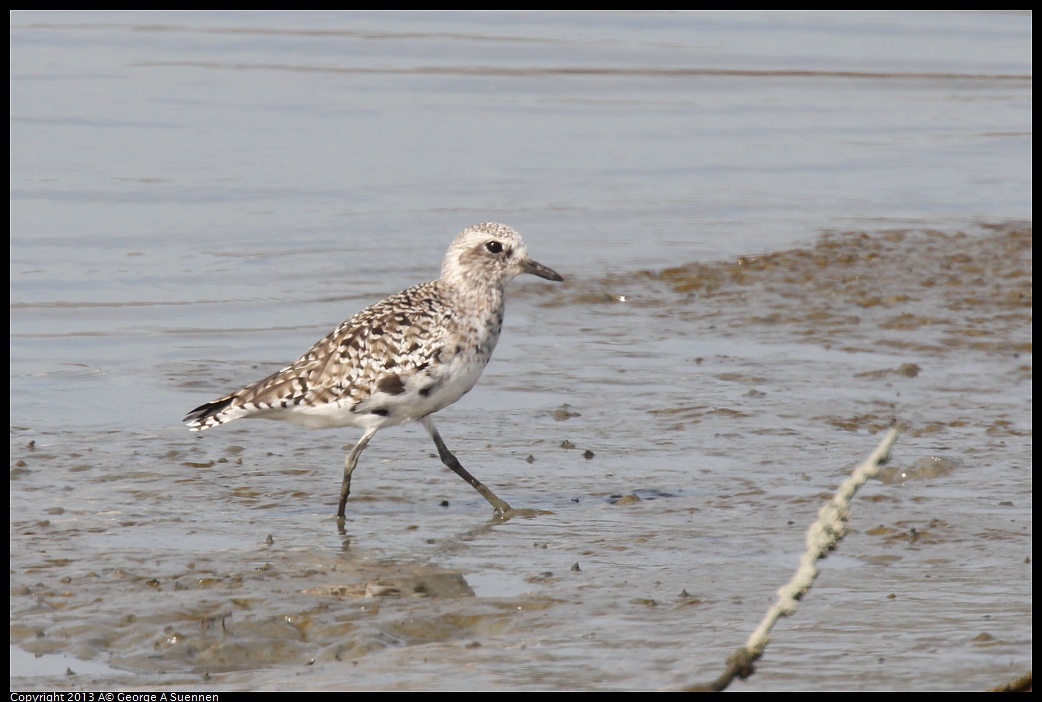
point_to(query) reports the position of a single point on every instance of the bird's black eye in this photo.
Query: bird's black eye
(494, 247)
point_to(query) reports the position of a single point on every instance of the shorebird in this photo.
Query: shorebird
(400, 360)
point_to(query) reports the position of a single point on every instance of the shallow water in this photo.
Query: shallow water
(778, 233)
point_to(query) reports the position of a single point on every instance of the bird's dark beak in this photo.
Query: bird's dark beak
(530, 266)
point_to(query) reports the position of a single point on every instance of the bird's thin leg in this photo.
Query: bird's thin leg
(452, 462)
(349, 467)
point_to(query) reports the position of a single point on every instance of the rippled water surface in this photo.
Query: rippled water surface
(779, 233)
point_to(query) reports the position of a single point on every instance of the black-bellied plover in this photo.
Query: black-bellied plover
(402, 359)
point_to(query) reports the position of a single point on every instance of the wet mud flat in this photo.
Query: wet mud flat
(664, 526)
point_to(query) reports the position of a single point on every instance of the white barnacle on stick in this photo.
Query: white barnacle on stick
(822, 537)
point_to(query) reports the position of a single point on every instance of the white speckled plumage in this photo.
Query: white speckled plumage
(400, 360)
